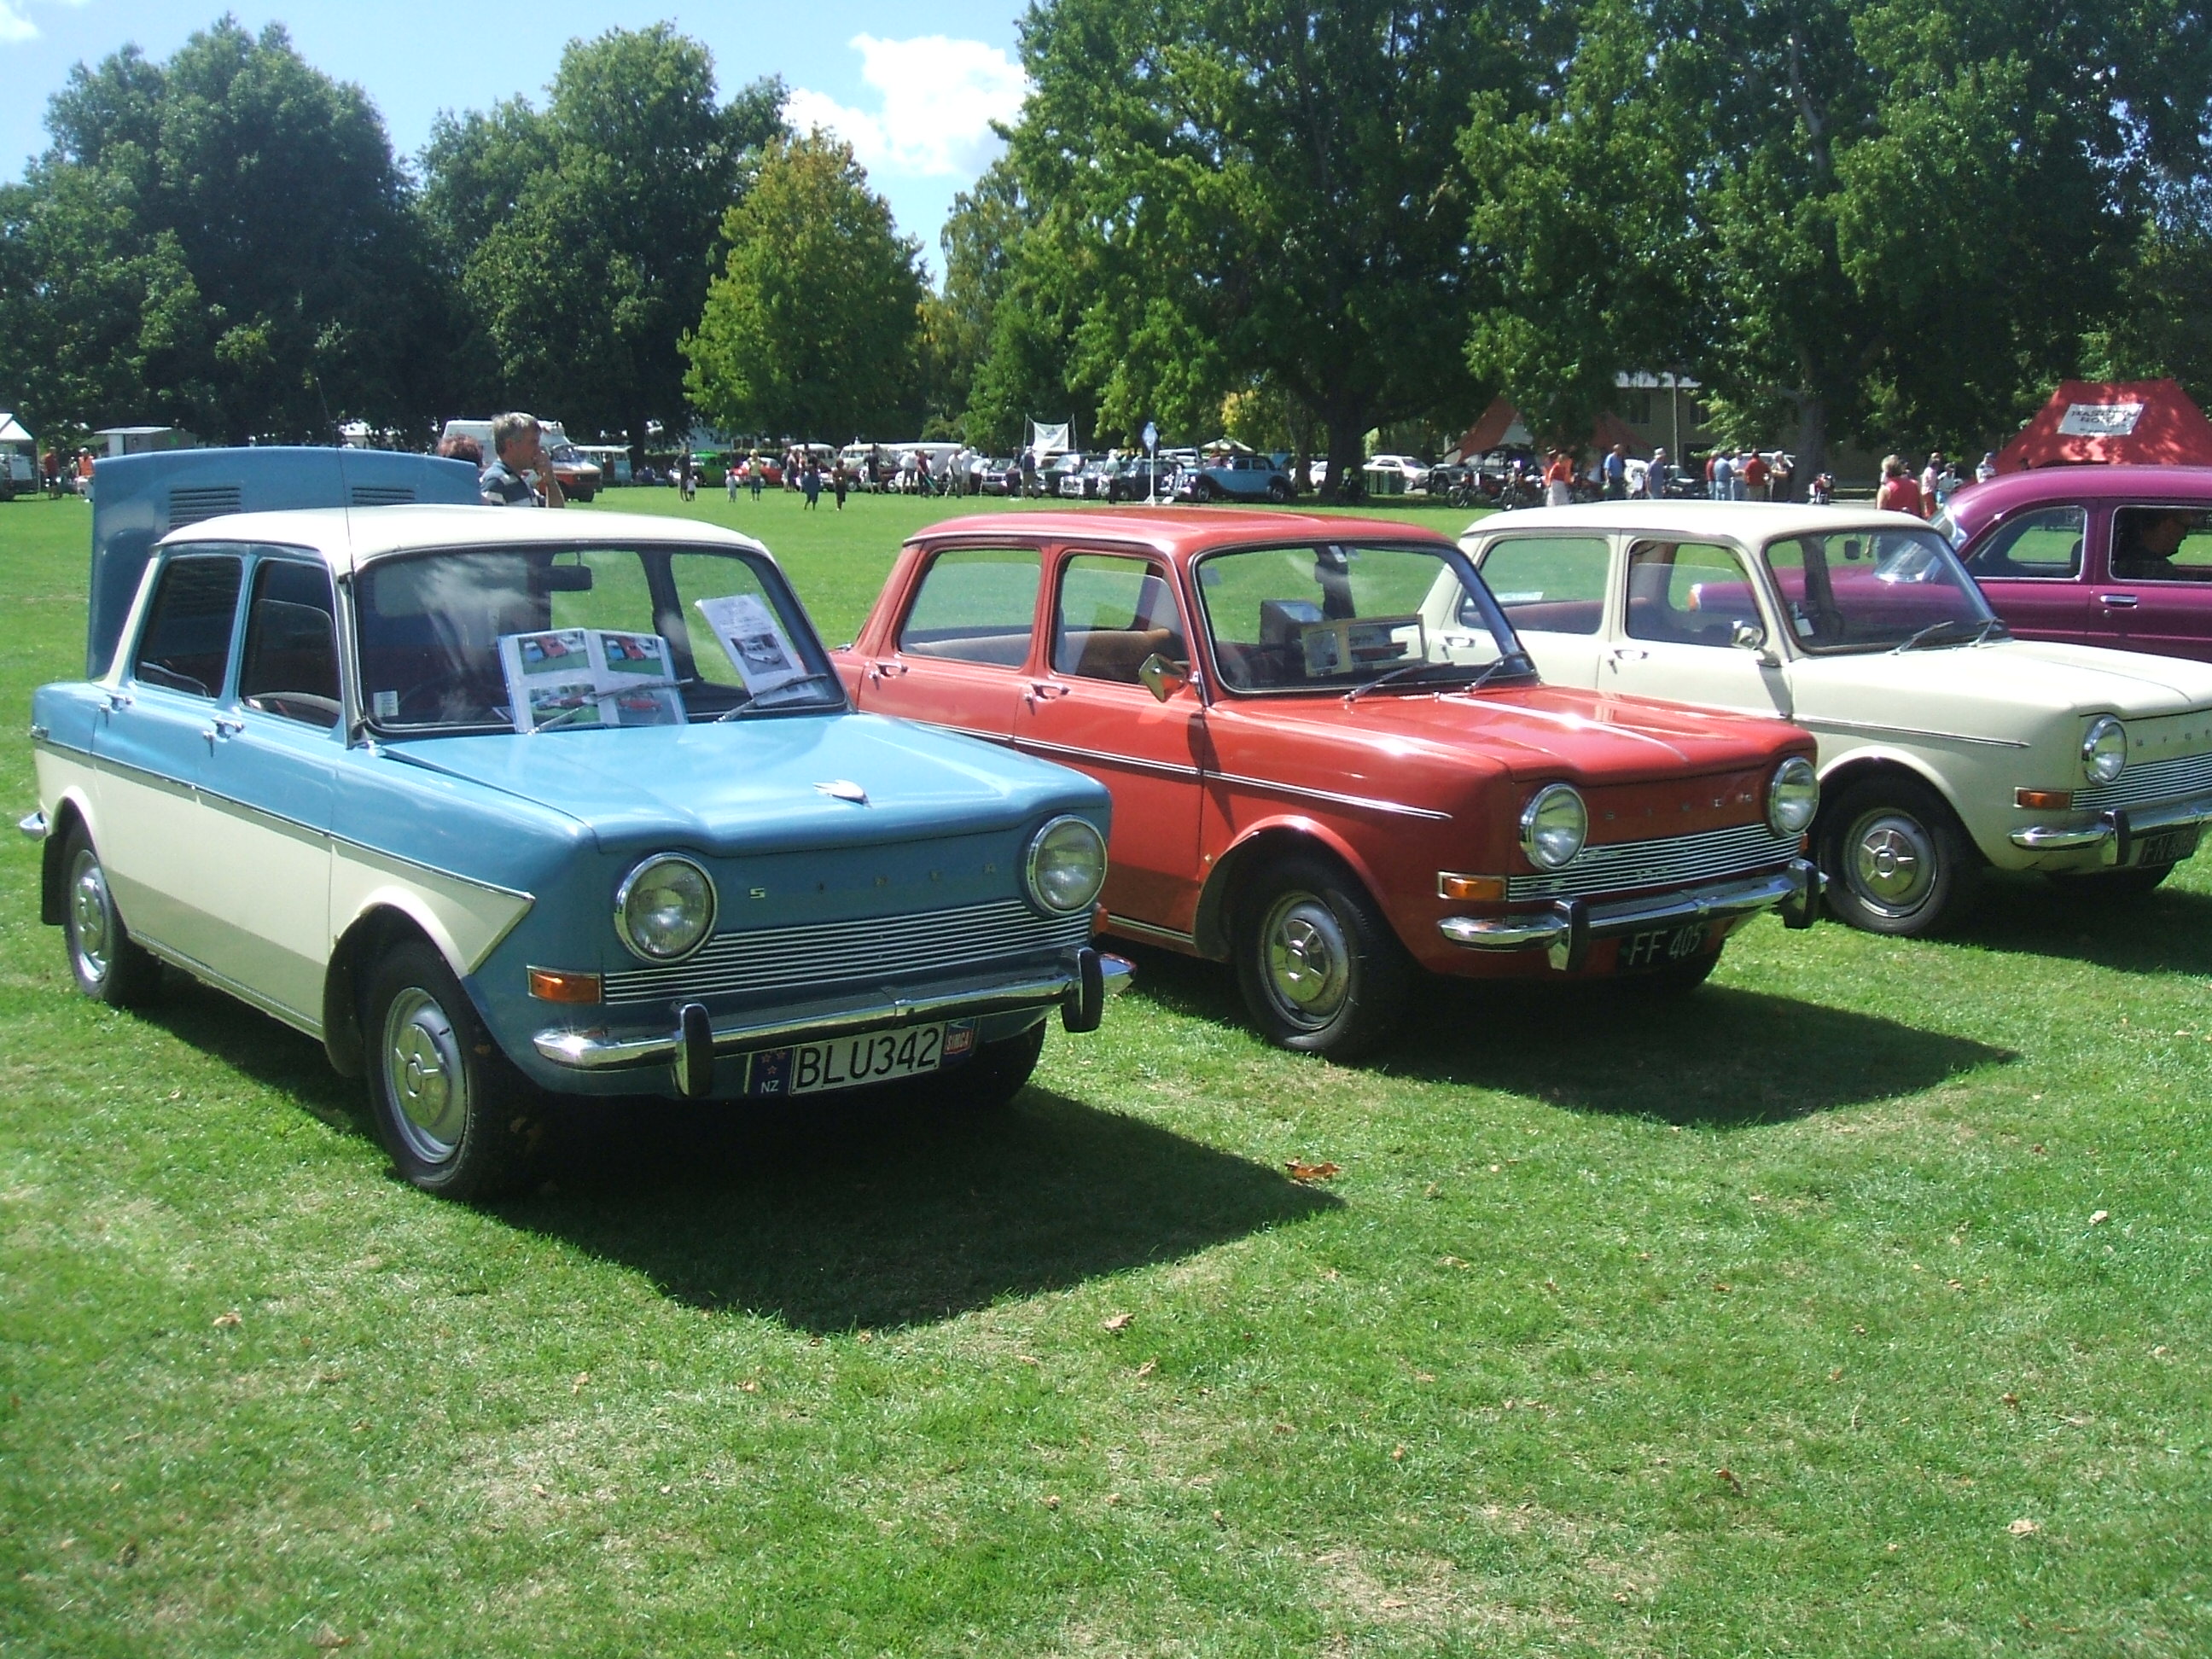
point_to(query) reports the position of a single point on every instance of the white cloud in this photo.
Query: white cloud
(16, 22)
(939, 97)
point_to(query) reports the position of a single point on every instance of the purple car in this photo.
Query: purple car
(2114, 555)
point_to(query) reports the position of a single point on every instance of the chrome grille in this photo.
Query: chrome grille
(1667, 861)
(2174, 778)
(904, 948)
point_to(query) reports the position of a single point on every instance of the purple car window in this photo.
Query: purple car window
(2045, 544)
(2161, 544)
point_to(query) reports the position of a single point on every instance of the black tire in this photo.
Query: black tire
(1278, 491)
(1206, 490)
(1897, 860)
(1676, 979)
(424, 1045)
(998, 1071)
(2109, 883)
(108, 965)
(1321, 970)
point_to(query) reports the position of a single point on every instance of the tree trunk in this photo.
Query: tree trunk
(1811, 457)
(1347, 434)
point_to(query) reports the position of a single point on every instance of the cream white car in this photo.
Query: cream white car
(1947, 746)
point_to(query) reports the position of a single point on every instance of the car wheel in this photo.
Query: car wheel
(108, 964)
(452, 1111)
(1206, 490)
(1896, 860)
(2109, 883)
(1278, 491)
(1320, 968)
(998, 1071)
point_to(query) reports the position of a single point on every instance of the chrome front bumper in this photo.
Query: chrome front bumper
(2117, 831)
(33, 827)
(1568, 928)
(1080, 989)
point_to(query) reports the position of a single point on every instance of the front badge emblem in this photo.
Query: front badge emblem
(844, 789)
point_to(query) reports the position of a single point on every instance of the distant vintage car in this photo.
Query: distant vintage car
(1236, 476)
(2114, 555)
(497, 802)
(1395, 474)
(1319, 782)
(1946, 745)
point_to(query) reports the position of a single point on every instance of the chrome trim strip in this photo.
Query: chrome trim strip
(199, 971)
(2173, 776)
(2166, 814)
(405, 863)
(33, 827)
(2051, 838)
(1904, 731)
(600, 1051)
(1129, 762)
(161, 782)
(231, 806)
(1721, 902)
(1362, 803)
(1129, 927)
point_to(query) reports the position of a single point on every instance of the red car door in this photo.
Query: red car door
(2158, 594)
(1110, 614)
(959, 656)
(2032, 567)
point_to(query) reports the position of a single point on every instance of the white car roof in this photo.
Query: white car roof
(348, 538)
(1744, 521)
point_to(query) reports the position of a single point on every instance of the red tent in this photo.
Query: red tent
(2142, 423)
(1498, 421)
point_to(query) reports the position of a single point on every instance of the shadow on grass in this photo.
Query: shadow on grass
(2164, 931)
(831, 1217)
(1721, 1056)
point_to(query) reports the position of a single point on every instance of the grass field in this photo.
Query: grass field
(1857, 1306)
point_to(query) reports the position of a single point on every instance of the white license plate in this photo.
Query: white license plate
(854, 1062)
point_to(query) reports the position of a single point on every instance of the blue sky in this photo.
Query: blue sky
(912, 88)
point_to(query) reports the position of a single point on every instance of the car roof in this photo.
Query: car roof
(1178, 532)
(1748, 521)
(2089, 482)
(348, 538)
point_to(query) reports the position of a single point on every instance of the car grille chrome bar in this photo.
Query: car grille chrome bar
(2148, 780)
(904, 948)
(1666, 862)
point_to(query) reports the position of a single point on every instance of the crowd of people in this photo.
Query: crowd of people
(1929, 492)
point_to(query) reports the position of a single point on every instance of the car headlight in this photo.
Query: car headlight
(2104, 750)
(1553, 826)
(1065, 865)
(1793, 796)
(665, 908)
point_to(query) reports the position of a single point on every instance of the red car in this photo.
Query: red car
(1332, 762)
(2112, 556)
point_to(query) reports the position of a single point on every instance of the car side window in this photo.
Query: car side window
(2161, 545)
(1549, 584)
(185, 644)
(2045, 544)
(974, 605)
(1114, 613)
(1687, 593)
(290, 664)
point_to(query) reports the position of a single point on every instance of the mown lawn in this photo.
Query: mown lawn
(1858, 1306)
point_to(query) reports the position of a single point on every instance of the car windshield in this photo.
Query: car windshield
(1876, 589)
(1338, 617)
(537, 640)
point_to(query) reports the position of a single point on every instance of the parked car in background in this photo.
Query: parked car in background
(1948, 746)
(1395, 474)
(2112, 556)
(496, 802)
(1139, 478)
(1332, 762)
(1237, 477)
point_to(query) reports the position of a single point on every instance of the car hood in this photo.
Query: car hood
(2008, 679)
(754, 785)
(1548, 731)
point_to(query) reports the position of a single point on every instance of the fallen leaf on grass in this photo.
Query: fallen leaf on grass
(1119, 1322)
(1029, 1359)
(1727, 1477)
(1051, 1501)
(749, 1385)
(226, 1320)
(1302, 1170)
(1397, 1454)
(1621, 1596)
(1395, 1602)
(577, 1387)
(2021, 1527)
(2100, 1217)
(1148, 1368)
(2011, 1400)
(327, 1639)
(536, 1491)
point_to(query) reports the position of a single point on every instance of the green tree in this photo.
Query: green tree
(222, 240)
(582, 237)
(810, 327)
(1237, 191)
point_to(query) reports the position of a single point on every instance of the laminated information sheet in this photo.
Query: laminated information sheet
(589, 677)
(753, 639)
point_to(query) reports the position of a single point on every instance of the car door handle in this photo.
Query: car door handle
(883, 670)
(1629, 653)
(116, 701)
(2116, 601)
(228, 725)
(1047, 689)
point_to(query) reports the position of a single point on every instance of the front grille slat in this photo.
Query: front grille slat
(842, 953)
(1665, 861)
(2174, 778)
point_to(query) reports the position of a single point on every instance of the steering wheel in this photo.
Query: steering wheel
(309, 706)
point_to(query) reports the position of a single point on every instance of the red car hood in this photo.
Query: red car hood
(1545, 730)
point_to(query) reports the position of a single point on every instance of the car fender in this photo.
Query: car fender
(1272, 835)
(72, 806)
(1846, 769)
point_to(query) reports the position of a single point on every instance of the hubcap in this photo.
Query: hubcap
(425, 1076)
(1308, 961)
(1893, 860)
(91, 921)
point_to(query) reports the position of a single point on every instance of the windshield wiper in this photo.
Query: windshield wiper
(1982, 631)
(755, 705)
(565, 715)
(1475, 684)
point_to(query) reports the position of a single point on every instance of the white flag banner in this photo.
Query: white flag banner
(1049, 440)
(2101, 420)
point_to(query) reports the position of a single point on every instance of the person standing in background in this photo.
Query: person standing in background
(1559, 480)
(519, 450)
(1616, 473)
(839, 483)
(810, 481)
(1900, 490)
(1988, 468)
(1931, 485)
(1758, 481)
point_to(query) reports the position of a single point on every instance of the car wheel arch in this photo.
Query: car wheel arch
(1213, 933)
(381, 925)
(1860, 766)
(53, 871)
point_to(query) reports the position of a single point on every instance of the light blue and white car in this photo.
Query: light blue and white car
(498, 802)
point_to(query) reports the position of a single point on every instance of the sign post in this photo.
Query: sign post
(1153, 471)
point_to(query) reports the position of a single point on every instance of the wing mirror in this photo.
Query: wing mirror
(1162, 679)
(1749, 636)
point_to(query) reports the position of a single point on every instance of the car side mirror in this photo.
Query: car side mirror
(1162, 679)
(1747, 636)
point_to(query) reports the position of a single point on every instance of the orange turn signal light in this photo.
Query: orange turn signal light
(1099, 918)
(2044, 800)
(551, 985)
(1485, 890)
